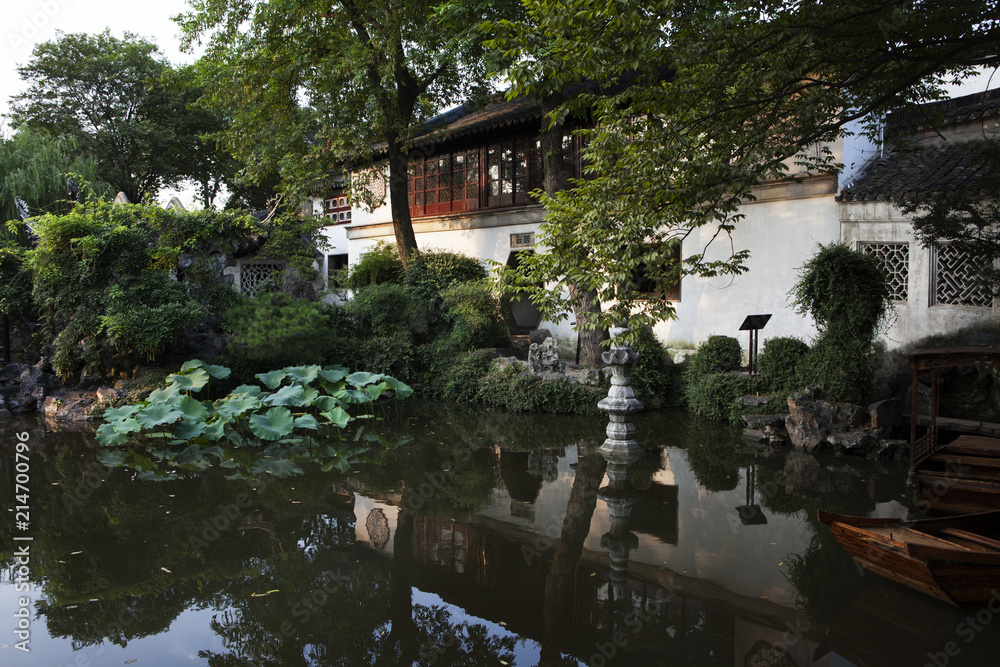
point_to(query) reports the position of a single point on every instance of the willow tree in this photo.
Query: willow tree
(699, 103)
(315, 88)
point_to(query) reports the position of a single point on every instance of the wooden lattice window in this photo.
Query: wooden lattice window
(444, 183)
(895, 259)
(513, 169)
(956, 279)
(254, 274)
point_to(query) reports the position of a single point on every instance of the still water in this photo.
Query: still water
(485, 539)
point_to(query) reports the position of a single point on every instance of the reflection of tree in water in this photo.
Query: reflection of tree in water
(544, 462)
(716, 464)
(825, 578)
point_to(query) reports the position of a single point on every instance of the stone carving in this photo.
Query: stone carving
(621, 401)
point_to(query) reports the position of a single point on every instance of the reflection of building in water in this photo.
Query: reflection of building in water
(697, 578)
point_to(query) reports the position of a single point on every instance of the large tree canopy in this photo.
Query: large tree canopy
(126, 109)
(719, 98)
(314, 87)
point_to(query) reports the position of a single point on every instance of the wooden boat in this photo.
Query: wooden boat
(955, 559)
(959, 475)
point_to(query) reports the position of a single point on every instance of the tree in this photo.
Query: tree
(701, 102)
(967, 217)
(101, 91)
(318, 87)
(34, 168)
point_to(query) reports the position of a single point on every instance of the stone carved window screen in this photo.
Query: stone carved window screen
(254, 274)
(955, 281)
(895, 258)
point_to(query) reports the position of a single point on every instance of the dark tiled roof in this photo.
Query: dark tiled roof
(467, 120)
(948, 166)
(965, 109)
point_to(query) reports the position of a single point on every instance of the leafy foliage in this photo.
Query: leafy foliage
(847, 294)
(474, 310)
(717, 354)
(377, 266)
(429, 273)
(305, 405)
(101, 282)
(275, 328)
(780, 361)
(516, 390)
(656, 379)
(682, 133)
(367, 74)
(103, 93)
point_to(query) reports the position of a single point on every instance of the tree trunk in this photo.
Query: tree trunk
(556, 175)
(557, 611)
(406, 240)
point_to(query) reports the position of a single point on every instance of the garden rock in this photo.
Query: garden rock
(66, 405)
(884, 450)
(539, 336)
(544, 357)
(811, 423)
(804, 474)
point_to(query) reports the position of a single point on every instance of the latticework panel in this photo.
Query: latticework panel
(955, 280)
(252, 276)
(895, 258)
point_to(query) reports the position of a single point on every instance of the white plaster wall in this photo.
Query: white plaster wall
(915, 318)
(780, 235)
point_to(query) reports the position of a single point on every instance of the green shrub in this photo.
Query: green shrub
(717, 354)
(378, 266)
(656, 379)
(464, 377)
(144, 315)
(779, 363)
(717, 395)
(431, 272)
(388, 310)
(275, 329)
(847, 294)
(474, 311)
(509, 387)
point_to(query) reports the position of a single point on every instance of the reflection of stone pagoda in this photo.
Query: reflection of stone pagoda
(621, 498)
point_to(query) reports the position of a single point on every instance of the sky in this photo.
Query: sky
(29, 22)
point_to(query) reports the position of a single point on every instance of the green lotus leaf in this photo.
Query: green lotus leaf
(402, 389)
(218, 372)
(109, 436)
(327, 403)
(302, 374)
(127, 426)
(246, 390)
(119, 414)
(192, 408)
(157, 414)
(163, 395)
(215, 451)
(289, 395)
(112, 458)
(333, 373)
(193, 380)
(362, 378)
(352, 396)
(187, 429)
(282, 468)
(231, 408)
(271, 379)
(338, 417)
(274, 424)
(307, 421)
(375, 390)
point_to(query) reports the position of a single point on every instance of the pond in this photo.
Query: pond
(485, 539)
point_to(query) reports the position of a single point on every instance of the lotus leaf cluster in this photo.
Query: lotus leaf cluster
(301, 405)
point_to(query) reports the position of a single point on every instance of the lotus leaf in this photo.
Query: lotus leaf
(302, 374)
(290, 395)
(119, 414)
(187, 429)
(402, 389)
(163, 395)
(190, 381)
(157, 414)
(362, 378)
(274, 424)
(192, 408)
(232, 408)
(333, 373)
(272, 379)
(307, 421)
(109, 436)
(337, 417)
(218, 372)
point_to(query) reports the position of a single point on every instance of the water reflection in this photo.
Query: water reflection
(474, 544)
